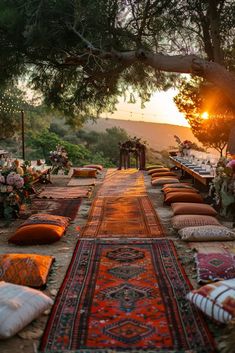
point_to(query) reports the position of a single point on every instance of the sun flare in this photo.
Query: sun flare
(205, 115)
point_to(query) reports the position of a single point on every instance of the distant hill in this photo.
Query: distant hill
(158, 136)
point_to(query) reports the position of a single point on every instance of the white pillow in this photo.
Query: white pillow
(216, 300)
(19, 305)
(206, 233)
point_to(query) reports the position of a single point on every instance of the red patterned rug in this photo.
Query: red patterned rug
(120, 217)
(59, 207)
(125, 295)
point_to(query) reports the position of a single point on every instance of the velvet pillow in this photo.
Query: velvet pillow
(217, 300)
(160, 170)
(84, 173)
(34, 234)
(214, 267)
(19, 305)
(172, 189)
(94, 166)
(187, 220)
(162, 174)
(25, 269)
(192, 208)
(206, 233)
(164, 180)
(179, 186)
(183, 197)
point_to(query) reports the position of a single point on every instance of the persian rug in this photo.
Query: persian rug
(214, 267)
(129, 182)
(65, 192)
(82, 182)
(115, 217)
(59, 207)
(125, 295)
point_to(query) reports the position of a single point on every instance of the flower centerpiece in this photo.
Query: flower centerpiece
(60, 160)
(14, 190)
(223, 187)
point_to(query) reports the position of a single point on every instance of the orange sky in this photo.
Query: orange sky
(160, 109)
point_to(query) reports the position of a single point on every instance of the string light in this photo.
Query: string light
(9, 103)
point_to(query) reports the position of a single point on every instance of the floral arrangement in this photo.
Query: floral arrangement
(223, 187)
(187, 144)
(60, 160)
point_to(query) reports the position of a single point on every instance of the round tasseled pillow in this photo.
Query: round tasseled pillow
(164, 180)
(183, 197)
(158, 170)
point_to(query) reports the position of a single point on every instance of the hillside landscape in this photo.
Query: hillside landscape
(158, 136)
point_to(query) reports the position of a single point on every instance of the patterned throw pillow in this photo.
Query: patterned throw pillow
(164, 180)
(19, 305)
(94, 166)
(182, 196)
(206, 233)
(183, 221)
(214, 266)
(158, 170)
(192, 208)
(216, 300)
(45, 218)
(26, 269)
(84, 173)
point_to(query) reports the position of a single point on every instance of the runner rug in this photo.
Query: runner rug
(120, 217)
(65, 192)
(59, 207)
(129, 182)
(121, 295)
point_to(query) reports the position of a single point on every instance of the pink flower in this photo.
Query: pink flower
(10, 180)
(231, 164)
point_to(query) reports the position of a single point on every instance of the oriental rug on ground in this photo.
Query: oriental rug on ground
(129, 182)
(59, 207)
(119, 217)
(125, 295)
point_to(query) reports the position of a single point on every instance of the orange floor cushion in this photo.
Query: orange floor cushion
(193, 208)
(160, 170)
(25, 269)
(156, 175)
(173, 189)
(154, 167)
(178, 186)
(164, 180)
(37, 234)
(185, 221)
(84, 173)
(183, 197)
(94, 166)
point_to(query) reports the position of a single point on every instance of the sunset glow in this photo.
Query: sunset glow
(205, 115)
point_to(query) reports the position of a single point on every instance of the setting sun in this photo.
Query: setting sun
(205, 115)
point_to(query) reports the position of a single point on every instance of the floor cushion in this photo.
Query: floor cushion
(172, 189)
(94, 166)
(26, 269)
(182, 196)
(183, 221)
(45, 218)
(154, 167)
(37, 234)
(178, 186)
(214, 266)
(84, 173)
(192, 208)
(206, 233)
(154, 175)
(164, 180)
(19, 305)
(160, 170)
(217, 300)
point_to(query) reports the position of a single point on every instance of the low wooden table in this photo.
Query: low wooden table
(205, 179)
